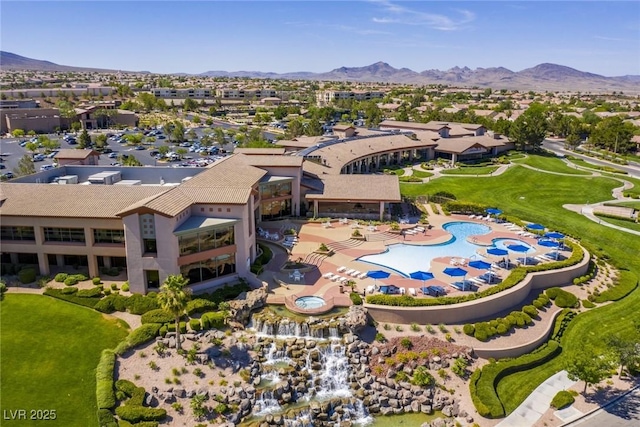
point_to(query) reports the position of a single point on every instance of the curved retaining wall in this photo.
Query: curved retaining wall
(502, 352)
(481, 308)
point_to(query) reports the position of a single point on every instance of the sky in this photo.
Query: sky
(601, 37)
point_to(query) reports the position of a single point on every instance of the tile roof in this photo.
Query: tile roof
(255, 151)
(460, 145)
(72, 153)
(359, 187)
(71, 201)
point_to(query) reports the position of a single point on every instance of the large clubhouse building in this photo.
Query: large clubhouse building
(203, 222)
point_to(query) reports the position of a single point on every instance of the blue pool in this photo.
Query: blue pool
(406, 259)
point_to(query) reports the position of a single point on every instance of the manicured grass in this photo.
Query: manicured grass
(584, 163)
(635, 204)
(50, 350)
(538, 197)
(480, 170)
(421, 174)
(549, 163)
(621, 223)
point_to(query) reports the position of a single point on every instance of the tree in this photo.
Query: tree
(17, 133)
(572, 141)
(280, 112)
(47, 143)
(295, 128)
(614, 134)
(31, 146)
(84, 140)
(76, 126)
(313, 128)
(25, 166)
(218, 135)
(373, 114)
(147, 101)
(101, 141)
(530, 128)
(625, 350)
(189, 105)
(589, 366)
(173, 297)
(196, 120)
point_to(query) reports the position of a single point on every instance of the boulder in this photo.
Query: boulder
(356, 318)
(245, 303)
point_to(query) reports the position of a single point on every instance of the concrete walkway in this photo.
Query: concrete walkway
(538, 402)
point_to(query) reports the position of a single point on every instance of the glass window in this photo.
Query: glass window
(212, 268)
(205, 240)
(75, 235)
(150, 246)
(108, 236)
(17, 233)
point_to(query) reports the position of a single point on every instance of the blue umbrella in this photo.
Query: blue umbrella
(456, 272)
(421, 275)
(548, 243)
(497, 251)
(520, 248)
(493, 211)
(535, 226)
(554, 235)
(482, 265)
(377, 274)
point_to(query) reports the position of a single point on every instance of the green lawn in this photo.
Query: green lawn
(584, 163)
(421, 173)
(480, 170)
(50, 349)
(635, 204)
(621, 223)
(549, 163)
(538, 197)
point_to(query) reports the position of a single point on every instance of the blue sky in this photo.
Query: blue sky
(602, 37)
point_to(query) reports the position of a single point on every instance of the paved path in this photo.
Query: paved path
(538, 402)
(621, 412)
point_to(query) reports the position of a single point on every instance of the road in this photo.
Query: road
(633, 168)
(623, 413)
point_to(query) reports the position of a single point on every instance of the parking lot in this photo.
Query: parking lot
(11, 151)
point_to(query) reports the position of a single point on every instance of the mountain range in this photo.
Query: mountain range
(550, 77)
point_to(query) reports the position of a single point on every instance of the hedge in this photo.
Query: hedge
(140, 304)
(194, 325)
(627, 282)
(89, 293)
(60, 277)
(212, 320)
(106, 418)
(200, 305)
(157, 316)
(135, 414)
(70, 281)
(105, 395)
(483, 392)
(69, 291)
(126, 386)
(111, 303)
(138, 336)
(73, 298)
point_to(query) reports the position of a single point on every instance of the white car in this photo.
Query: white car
(46, 167)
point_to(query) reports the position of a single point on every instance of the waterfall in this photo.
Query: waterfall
(282, 327)
(274, 356)
(266, 404)
(333, 378)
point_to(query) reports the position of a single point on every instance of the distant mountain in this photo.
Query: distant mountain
(11, 61)
(542, 77)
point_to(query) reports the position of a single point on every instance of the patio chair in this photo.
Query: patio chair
(472, 217)
(362, 276)
(341, 269)
(412, 292)
(371, 289)
(336, 278)
(355, 274)
(348, 272)
(327, 275)
(402, 291)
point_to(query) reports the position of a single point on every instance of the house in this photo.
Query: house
(69, 156)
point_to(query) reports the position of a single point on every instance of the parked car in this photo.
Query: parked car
(46, 167)
(38, 157)
(7, 175)
(2, 166)
(113, 155)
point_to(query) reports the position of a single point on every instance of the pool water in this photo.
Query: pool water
(310, 302)
(406, 259)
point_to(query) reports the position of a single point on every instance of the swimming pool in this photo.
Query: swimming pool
(406, 259)
(310, 302)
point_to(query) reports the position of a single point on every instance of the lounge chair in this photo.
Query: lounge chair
(362, 276)
(402, 291)
(348, 272)
(355, 274)
(371, 289)
(341, 269)
(479, 280)
(412, 292)
(327, 275)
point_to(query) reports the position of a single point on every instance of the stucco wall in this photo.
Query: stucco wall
(481, 308)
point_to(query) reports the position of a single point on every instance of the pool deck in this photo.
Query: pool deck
(347, 251)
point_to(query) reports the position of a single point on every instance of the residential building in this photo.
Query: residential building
(327, 97)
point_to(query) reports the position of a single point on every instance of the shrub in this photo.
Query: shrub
(126, 386)
(73, 298)
(106, 418)
(27, 275)
(70, 281)
(587, 304)
(60, 277)
(105, 395)
(356, 299)
(96, 281)
(157, 316)
(69, 291)
(183, 327)
(114, 286)
(194, 324)
(406, 343)
(627, 282)
(140, 304)
(138, 336)
(469, 329)
(125, 287)
(380, 337)
(88, 293)
(422, 377)
(199, 305)
(562, 298)
(531, 310)
(79, 277)
(214, 319)
(562, 399)
(538, 304)
(111, 303)
(135, 414)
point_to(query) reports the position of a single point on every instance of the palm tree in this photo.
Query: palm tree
(173, 297)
